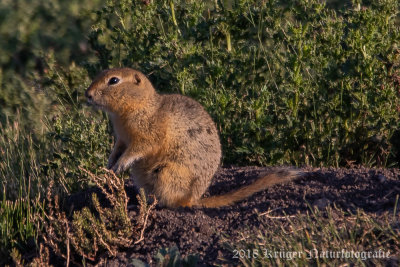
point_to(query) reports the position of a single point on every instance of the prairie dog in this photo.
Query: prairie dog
(169, 142)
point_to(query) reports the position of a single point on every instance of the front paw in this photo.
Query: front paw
(119, 167)
(122, 164)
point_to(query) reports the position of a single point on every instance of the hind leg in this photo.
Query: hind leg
(173, 186)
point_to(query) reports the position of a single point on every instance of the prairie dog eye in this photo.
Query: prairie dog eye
(113, 80)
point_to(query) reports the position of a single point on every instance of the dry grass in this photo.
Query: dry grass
(97, 229)
(321, 238)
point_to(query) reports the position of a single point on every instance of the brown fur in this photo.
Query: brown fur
(260, 184)
(169, 142)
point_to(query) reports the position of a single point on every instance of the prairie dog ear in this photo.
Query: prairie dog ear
(138, 80)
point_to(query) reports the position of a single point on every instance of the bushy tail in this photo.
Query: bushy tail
(263, 182)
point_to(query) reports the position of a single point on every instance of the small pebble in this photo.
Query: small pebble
(321, 203)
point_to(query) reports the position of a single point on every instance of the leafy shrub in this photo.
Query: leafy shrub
(78, 136)
(30, 160)
(71, 137)
(20, 99)
(287, 83)
(30, 29)
(171, 257)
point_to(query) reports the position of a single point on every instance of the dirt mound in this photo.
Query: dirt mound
(198, 230)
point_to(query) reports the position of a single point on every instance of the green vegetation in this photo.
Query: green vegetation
(71, 139)
(29, 31)
(292, 82)
(169, 257)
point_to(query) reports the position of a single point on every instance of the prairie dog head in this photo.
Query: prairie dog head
(119, 90)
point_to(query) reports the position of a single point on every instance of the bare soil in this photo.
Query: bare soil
(199, 230)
